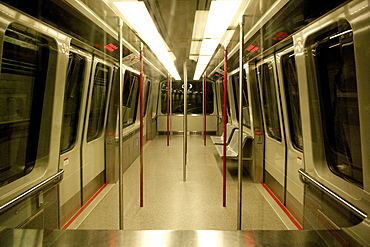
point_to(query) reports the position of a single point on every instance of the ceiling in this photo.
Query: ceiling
(175, 21)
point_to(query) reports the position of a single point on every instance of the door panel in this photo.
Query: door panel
(275, 154)
(288, 81)
(77, 81)
(93, 154)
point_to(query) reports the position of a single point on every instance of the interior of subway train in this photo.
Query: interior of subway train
(224, 122)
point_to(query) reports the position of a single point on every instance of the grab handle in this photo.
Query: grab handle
(306, 178)
(56, 178)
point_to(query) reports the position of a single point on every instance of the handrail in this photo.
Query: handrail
(57, 176)
(331, 193)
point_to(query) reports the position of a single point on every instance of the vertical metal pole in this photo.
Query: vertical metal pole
(120, 127)
(240, 144)
(185, 124)
(141, 126)
(224, 125)
(205, 108)
(168, 109)
(170, 104)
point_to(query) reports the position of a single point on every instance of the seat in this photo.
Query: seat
(232, 151)
(219, 140)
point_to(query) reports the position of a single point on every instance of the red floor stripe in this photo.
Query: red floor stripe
(282, 207)
(83, 207)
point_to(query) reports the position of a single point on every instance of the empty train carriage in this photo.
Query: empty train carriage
(305, 105)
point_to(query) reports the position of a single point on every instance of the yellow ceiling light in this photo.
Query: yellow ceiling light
(138, 17)
(220, 15)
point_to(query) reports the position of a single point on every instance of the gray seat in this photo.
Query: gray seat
(219, 140)
(232, 151)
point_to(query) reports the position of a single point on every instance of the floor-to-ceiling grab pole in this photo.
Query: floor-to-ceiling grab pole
(185, 124)
(170, 104)
(240, 144)
(224, 125)
(205, 108)
(141, 126)
(120, 127)
(168, 109)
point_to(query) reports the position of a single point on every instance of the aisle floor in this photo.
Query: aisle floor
(171, 204)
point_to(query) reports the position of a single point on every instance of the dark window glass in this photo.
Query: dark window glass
(146, 96)
(235, 87)
(255, 100)
(235, 83)
(98, 101)
(72, 101)
(222, 100)
(270, 102)
(130, 98)
(24, 69)
(336, 71)
(195, 97)
(292, 100)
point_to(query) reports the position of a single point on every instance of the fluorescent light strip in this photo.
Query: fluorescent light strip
(139, 18)
(221, 13)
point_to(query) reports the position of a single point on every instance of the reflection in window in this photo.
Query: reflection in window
(98, 101)
(222, 100)
(270, 102)
(146, 95)
(130, 98)
(235, 84)
(72, 101)
(336, 71)
(23, 111)
(195, 97)
(292, 100)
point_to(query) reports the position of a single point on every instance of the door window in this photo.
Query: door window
(98, 101)
(270, 102)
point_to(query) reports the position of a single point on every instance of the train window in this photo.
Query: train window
(222, 101)
(195, 97)
(130, 98)
(72, 101)
(270, 103)
(292, 99)
(336, 75)
(235, 84)
(255, 101)
(146, 95)
(235, 87)
(98, 101)
(25, 106)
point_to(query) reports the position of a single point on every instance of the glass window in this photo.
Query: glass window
(270, 102)
(130, 98)
(222, 100)
(235, 84)
(195, 97)
(292, 99)
(146, 95)
(23, 79)
(72, 101)
(336, 75)
(98, 101)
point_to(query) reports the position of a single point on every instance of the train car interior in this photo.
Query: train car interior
(184, 123)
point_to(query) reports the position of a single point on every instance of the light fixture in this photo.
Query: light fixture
(220, 15)
(138, 17)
